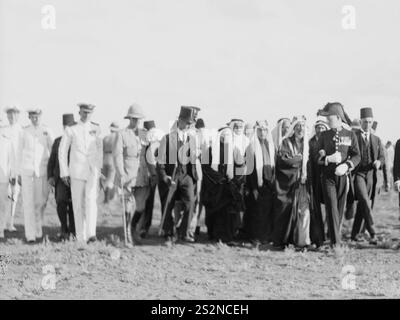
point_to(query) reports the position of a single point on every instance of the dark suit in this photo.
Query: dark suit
(396, 164)
(335, 188)
(366, 180)
(62, 192)
(186, 177)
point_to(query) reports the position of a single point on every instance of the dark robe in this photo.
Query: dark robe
(317, 231)
(288, 169)
(258, 219)
(223, 201)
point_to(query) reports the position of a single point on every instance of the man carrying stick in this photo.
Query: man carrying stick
(135, 173)
(177, 154)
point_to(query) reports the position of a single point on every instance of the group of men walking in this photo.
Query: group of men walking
(282, 186)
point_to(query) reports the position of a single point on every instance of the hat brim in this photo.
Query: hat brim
(326, 113)
(86, 110)
(134, 116)
(10, 110)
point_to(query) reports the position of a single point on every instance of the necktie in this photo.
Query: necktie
(366, 137)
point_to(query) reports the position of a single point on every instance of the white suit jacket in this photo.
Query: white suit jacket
(7, 158)
(34, 151)
(15, 133)
(86, 151)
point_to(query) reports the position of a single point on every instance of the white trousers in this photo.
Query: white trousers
(3, 205)
(84, 203)
(13, 195)
(35, 192)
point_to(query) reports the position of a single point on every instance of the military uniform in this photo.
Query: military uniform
(34, 153)
(342, 144)
(86, 160)
(335, 188)
(131, 166)
(7, 172)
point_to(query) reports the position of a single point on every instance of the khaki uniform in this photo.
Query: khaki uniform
(130, 163)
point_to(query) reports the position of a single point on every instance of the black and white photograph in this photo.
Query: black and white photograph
(217, 151)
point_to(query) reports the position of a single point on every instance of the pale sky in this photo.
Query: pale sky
(254, 59)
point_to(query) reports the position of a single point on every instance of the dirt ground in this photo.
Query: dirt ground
(204, 270)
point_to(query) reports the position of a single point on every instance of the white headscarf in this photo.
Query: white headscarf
(306, 147)
(216, 151)
(277, 132)
(256, 148)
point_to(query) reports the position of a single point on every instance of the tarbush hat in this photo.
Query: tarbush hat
(86, 107)
(200, 124)
(68, 119)
(196, 111)
(187, 114)
(366, 113)
(135, 112)
(148, 125)
(114, 126)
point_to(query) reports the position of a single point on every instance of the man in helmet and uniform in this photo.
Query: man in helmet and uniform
(136, 175)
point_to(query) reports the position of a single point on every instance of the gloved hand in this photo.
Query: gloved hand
(377, 164)
(334, 158)
(397, 186)
(255, 194)
(342, 170)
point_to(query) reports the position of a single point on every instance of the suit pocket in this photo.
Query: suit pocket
(131, 150)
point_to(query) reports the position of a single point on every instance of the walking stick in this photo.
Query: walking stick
(123, 213)
(171, 192)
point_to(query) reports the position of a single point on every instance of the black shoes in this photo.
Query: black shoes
(373, 241)
(188, 239)
(92, 239)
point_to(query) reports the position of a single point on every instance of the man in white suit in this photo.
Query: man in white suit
(14, 131)
(7, 173)
(33, 156)
(83, 172)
